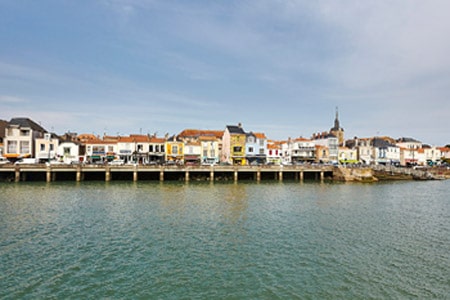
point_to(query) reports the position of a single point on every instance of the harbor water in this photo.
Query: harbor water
(245, 240)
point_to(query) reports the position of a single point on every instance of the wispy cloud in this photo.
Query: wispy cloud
(6, 99)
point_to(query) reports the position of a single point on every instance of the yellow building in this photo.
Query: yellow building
(174, 151)
(233, 150)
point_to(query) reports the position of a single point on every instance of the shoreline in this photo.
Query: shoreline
(50, 173)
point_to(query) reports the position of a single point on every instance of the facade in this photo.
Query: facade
(20, 135)
(348, 155)
(409, 154)
(100, 151)
(322, 153)
(384, 153)
(46, 147)
(429, 156)
(3, 125)
(255, 148)
(329, 141)
(233, 145)
(192, 153)
(365, 153)
(201, 146)
(302, 150)
(156, 150)
(210, 149)
(174, 151)
(445, 154)
(274, 152)
(68, 152)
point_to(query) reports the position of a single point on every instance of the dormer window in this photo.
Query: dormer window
(24, 132)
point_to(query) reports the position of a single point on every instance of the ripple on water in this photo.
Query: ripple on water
(268, 240)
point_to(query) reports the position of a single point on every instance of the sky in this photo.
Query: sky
(277, 66)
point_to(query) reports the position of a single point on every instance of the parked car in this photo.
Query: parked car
(26, 161)
(4, 161)
(116, 162)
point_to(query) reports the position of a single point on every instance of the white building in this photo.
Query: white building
(46, 147)
(20, 135)
(68, 152)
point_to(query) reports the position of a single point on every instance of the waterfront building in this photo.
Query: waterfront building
(329, 141)
(255, 148)
(210, 149)
(429, 155)
(274, 152)
(348, 155)
(233, 145)
(99, 151)
(174, 150)
(46, 147)
(192, 152)
(409, 154)
(322, 153)
(156, 150)
(302, 150)
(204, 145)
(364, 149)
(286, 157)
(20, 135)
(3, 124)
(383, 152)
(69, 152)
(445, 154)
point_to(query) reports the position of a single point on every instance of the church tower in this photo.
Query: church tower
(337, 130)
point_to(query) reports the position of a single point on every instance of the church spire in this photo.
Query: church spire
(336, 120)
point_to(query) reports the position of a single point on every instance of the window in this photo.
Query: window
(261, 151)
(110, 148)
(174, 149)
(150, 148)
(52, 147)
(162, 148)
(205, 152)
(250, 149)
(261, 142)
(270, 152)
(66, 150)
(237, 149)
(213, 153)
(140, 147)
(24, 132)
(42, 147)
(12, 147)
(24, 147)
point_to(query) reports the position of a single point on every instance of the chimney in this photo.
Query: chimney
(240, 125)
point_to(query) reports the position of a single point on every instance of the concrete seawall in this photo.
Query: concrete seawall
(42, 172)
(51, 173)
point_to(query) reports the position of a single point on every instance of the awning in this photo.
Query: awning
(95, 157)
(11, 155)
(192, 157)
(348, 161)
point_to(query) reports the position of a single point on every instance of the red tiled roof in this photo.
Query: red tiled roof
(260, 135)
(200, 132)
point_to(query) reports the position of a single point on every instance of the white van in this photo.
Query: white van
(27, 161)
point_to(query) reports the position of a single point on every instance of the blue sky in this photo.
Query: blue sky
(279, 67)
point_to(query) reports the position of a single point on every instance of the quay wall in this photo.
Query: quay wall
(42, 172)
